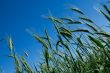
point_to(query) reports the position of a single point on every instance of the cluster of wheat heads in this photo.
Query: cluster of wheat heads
(82, 50)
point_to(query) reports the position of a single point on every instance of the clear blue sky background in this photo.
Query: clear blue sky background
(18, 15)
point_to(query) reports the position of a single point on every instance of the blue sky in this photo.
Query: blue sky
(18, 15)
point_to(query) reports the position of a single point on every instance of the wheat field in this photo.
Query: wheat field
(82, 50)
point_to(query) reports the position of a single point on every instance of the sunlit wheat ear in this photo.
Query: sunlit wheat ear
(70, 21)
(56, 20)
(26, 66)
(103, 34)
(54, 23)
(86, 19)
(96, 41)
(40, 40)
(91, 27)
(29, 31)
(65, 32)
(81, 30)
(105, 15)
(106, 8)
(10, 43)
(77, 10)
(26, 54)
